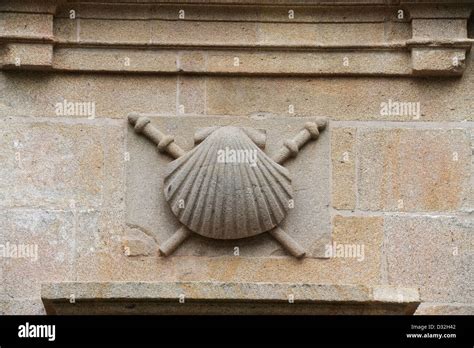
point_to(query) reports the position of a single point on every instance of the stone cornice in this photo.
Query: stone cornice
(225, 298)
(236, 38)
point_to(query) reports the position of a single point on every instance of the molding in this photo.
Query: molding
(324, 40)
(225, 298)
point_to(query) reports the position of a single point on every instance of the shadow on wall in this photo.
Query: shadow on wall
(470, 26)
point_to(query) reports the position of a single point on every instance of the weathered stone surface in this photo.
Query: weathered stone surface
(136, 246)
(36, 94)
(322, 33)
(236, 13)
(342, 98)
(343, 154)
(439, 10)
(66, 29)
(23, 307)
(397, 31)
(200, 33)
(114, 265)
(101, 231)
(138, 242)
(322, 14)
(308, 63)
(3, 295)
(445, 309)
(337, 270)
(216, 291)
(51, 235)
(115, 31)
(191, 95)
(68, 244)
(31, 56)
(439, 28)
(245, 297)
(106, 10)
(365, 236)
(46, 6)
(121, 60)
(26, 25)
(239, 62)
(61, 165)
(468, 205)
(99, 248)
(395, 294)
(413, 170)
(438, 61)
(323, 61)
(192, 61)
(436, 253)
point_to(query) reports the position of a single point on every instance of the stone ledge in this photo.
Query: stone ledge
(225, 298)
(415, 57)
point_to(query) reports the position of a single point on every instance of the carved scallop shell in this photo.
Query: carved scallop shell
(228, 197)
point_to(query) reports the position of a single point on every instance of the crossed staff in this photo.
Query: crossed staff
(290, 149)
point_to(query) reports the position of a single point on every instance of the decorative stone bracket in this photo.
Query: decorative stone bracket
(422, 39)
(439, 46)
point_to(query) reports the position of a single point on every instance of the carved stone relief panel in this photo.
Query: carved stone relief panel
(216, 186)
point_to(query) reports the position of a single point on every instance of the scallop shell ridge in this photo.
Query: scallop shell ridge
(228, 199)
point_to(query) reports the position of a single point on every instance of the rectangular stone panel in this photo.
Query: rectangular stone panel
(115, 31)
(357, 247)
(37, 94)
(438, 61)
(30, 56)
(121, 60)
(343, 153)
(308, 223)
(439, 28)
(413, 169)
(341, 62)
(191, 92)
(199, 33)
(321, 33)
(60, 165)
(433, 253)
(66, 243)
(344, 98)
(26, 25)
(46, 238)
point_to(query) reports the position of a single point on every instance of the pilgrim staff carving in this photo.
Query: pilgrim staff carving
(226, 187)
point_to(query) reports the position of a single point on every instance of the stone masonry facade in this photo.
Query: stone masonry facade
(395, 79)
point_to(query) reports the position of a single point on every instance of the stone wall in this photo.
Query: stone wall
(400, 183)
